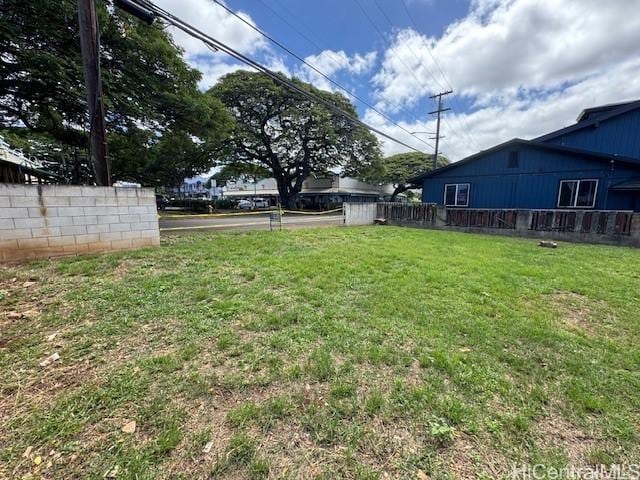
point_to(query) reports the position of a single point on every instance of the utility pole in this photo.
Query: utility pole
(438, 112)
(90, 46)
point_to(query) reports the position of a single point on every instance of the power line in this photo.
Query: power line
(435, 62)
(313, 67)
(466, 138)
(462, 136)
(411, 49)
(415, 26)
(364, 11)
(321, 48)
(297, 30)
(208, 40)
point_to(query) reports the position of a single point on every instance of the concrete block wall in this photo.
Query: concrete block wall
(41, 221)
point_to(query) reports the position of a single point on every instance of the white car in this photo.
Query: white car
(260, 203)
(245, 205)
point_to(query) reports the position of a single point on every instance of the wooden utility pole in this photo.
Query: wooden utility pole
(438, 112)
(90, 46)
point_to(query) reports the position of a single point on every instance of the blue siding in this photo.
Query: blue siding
(534, 183)
(618, 135)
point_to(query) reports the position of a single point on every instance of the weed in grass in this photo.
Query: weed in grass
(240, 453)
(442, 433)
(320, 365)
(258, 469)
(374, 403)
(343, 390)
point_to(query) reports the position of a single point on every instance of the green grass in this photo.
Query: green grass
(328, 353)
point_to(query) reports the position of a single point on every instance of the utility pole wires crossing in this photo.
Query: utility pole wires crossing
(438, 112)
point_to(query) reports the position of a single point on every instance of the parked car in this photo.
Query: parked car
(255, 203)
(260, 203)
(161, 202)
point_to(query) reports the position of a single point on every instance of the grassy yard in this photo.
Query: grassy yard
(328, 353)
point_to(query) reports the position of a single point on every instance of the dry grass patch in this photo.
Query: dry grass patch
(579, 312)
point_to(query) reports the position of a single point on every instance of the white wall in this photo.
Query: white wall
(41, 221)
(359, 213)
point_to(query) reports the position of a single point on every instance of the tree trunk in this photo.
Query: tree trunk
(289, 202)
(399, 189)
(288, 194)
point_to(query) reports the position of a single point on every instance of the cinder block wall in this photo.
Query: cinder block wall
(41, 221)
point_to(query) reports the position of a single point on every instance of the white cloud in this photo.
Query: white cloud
(215, 21)
(466, 133)
(212, 71)
(331, 62)
(513, 44)
(527, 66)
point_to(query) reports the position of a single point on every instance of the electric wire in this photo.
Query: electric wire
(208, 40)
(318, 71)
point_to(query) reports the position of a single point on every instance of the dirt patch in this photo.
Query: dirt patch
(469, 458)
(576, 311)
(389, 443)
(289, 449)
(556, 432)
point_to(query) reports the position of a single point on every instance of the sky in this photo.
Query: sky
(518, 68)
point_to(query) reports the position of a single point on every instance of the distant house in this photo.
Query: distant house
(16, 167)
(322, 192)
(200, 186)
(593, 164)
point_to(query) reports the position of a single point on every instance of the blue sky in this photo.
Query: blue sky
(341, 25)
(519, 68)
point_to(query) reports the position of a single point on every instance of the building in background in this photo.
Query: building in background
(199, 186)
(317, 193)
(16, 167)
(593, 164)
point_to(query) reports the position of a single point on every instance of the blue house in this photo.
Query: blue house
(593, 164)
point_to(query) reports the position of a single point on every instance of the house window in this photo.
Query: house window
(456, 195)
(577, 193)
(513, 160)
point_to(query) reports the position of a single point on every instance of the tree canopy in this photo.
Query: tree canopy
(241, 171)
(288, 134)
(160, 126)
(398, 169)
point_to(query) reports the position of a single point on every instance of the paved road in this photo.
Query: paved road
(193, 223)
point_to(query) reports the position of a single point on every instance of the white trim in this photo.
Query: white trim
(457, 185)
(575, 199)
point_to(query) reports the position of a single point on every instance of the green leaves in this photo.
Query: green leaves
(287, 133)
(161, 128)
(397, 169)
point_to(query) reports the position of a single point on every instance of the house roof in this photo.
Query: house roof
(590, 113)
(10, 156)
(516, 142)
(592, 116)
(628, 185)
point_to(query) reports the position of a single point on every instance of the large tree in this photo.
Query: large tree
(159, 124)
(287, 133)
(397, 169)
